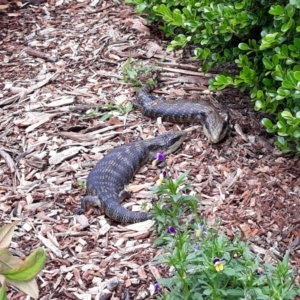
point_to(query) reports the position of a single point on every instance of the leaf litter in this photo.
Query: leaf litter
(62, 59)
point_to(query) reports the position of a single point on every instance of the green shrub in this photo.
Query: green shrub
(261, 37)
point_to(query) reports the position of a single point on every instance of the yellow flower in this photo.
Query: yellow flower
(154, 163)
(219, 267)
(159, 181)
(148, 206)
(219, 264)
(200, 231)
(162, 175)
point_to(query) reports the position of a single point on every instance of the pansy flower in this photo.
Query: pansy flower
(154, 288)
(200, 230)
(219, 263)
(171, 230)
(162, 175)
(259, 271)
(160, 156)
(196, 248)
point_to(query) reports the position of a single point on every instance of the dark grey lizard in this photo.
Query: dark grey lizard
(106, 180)
(215, 124)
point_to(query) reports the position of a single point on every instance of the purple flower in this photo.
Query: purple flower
(171, 230)
(156, 287)
(160, 156)
(196, 248)
(217, 260)
(200, 231)
(201, 227)
(259, 271)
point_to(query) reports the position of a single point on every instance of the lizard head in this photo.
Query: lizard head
(215, 126)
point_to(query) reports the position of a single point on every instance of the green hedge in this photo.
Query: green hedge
(261, 37)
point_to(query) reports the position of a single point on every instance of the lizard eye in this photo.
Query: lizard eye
(225, 125)
(206, 125)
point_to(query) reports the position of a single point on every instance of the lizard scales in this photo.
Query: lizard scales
(107, 179)
(215, 124)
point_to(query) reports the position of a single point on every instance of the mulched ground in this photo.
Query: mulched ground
(60, 58)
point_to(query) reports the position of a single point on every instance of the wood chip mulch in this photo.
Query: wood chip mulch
(60, 58)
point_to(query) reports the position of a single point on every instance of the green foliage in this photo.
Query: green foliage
(286, 126)
(172, 203)
(14, 270)
(261, 37)
(204, 264)
(123, 108)
(109, 110)
(81, 185)
(135, 69)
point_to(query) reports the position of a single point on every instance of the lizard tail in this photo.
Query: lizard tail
(120, 214)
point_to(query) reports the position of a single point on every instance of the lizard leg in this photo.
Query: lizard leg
(86, 202)
(124, 195)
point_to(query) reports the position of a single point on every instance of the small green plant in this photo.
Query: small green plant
(134, 70)
(15, 271)
(172, 202)
(81, 185)
(93, 112)
(203, 263)
(123, 108)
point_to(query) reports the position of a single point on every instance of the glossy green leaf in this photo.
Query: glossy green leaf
(276, 10)
(297, 75)
(287, 26)
(29, 268)
(267, 123)
(8, 262)
(290, 9)
(287, 115)
(259, 94)
(290, 61)
(3, 295)
(267, 82)
(178, 18)
(243, 46)
(267, 62)
(259, 104)
(284, 50)
(288, 84)
(297, 134)
(240, 5)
